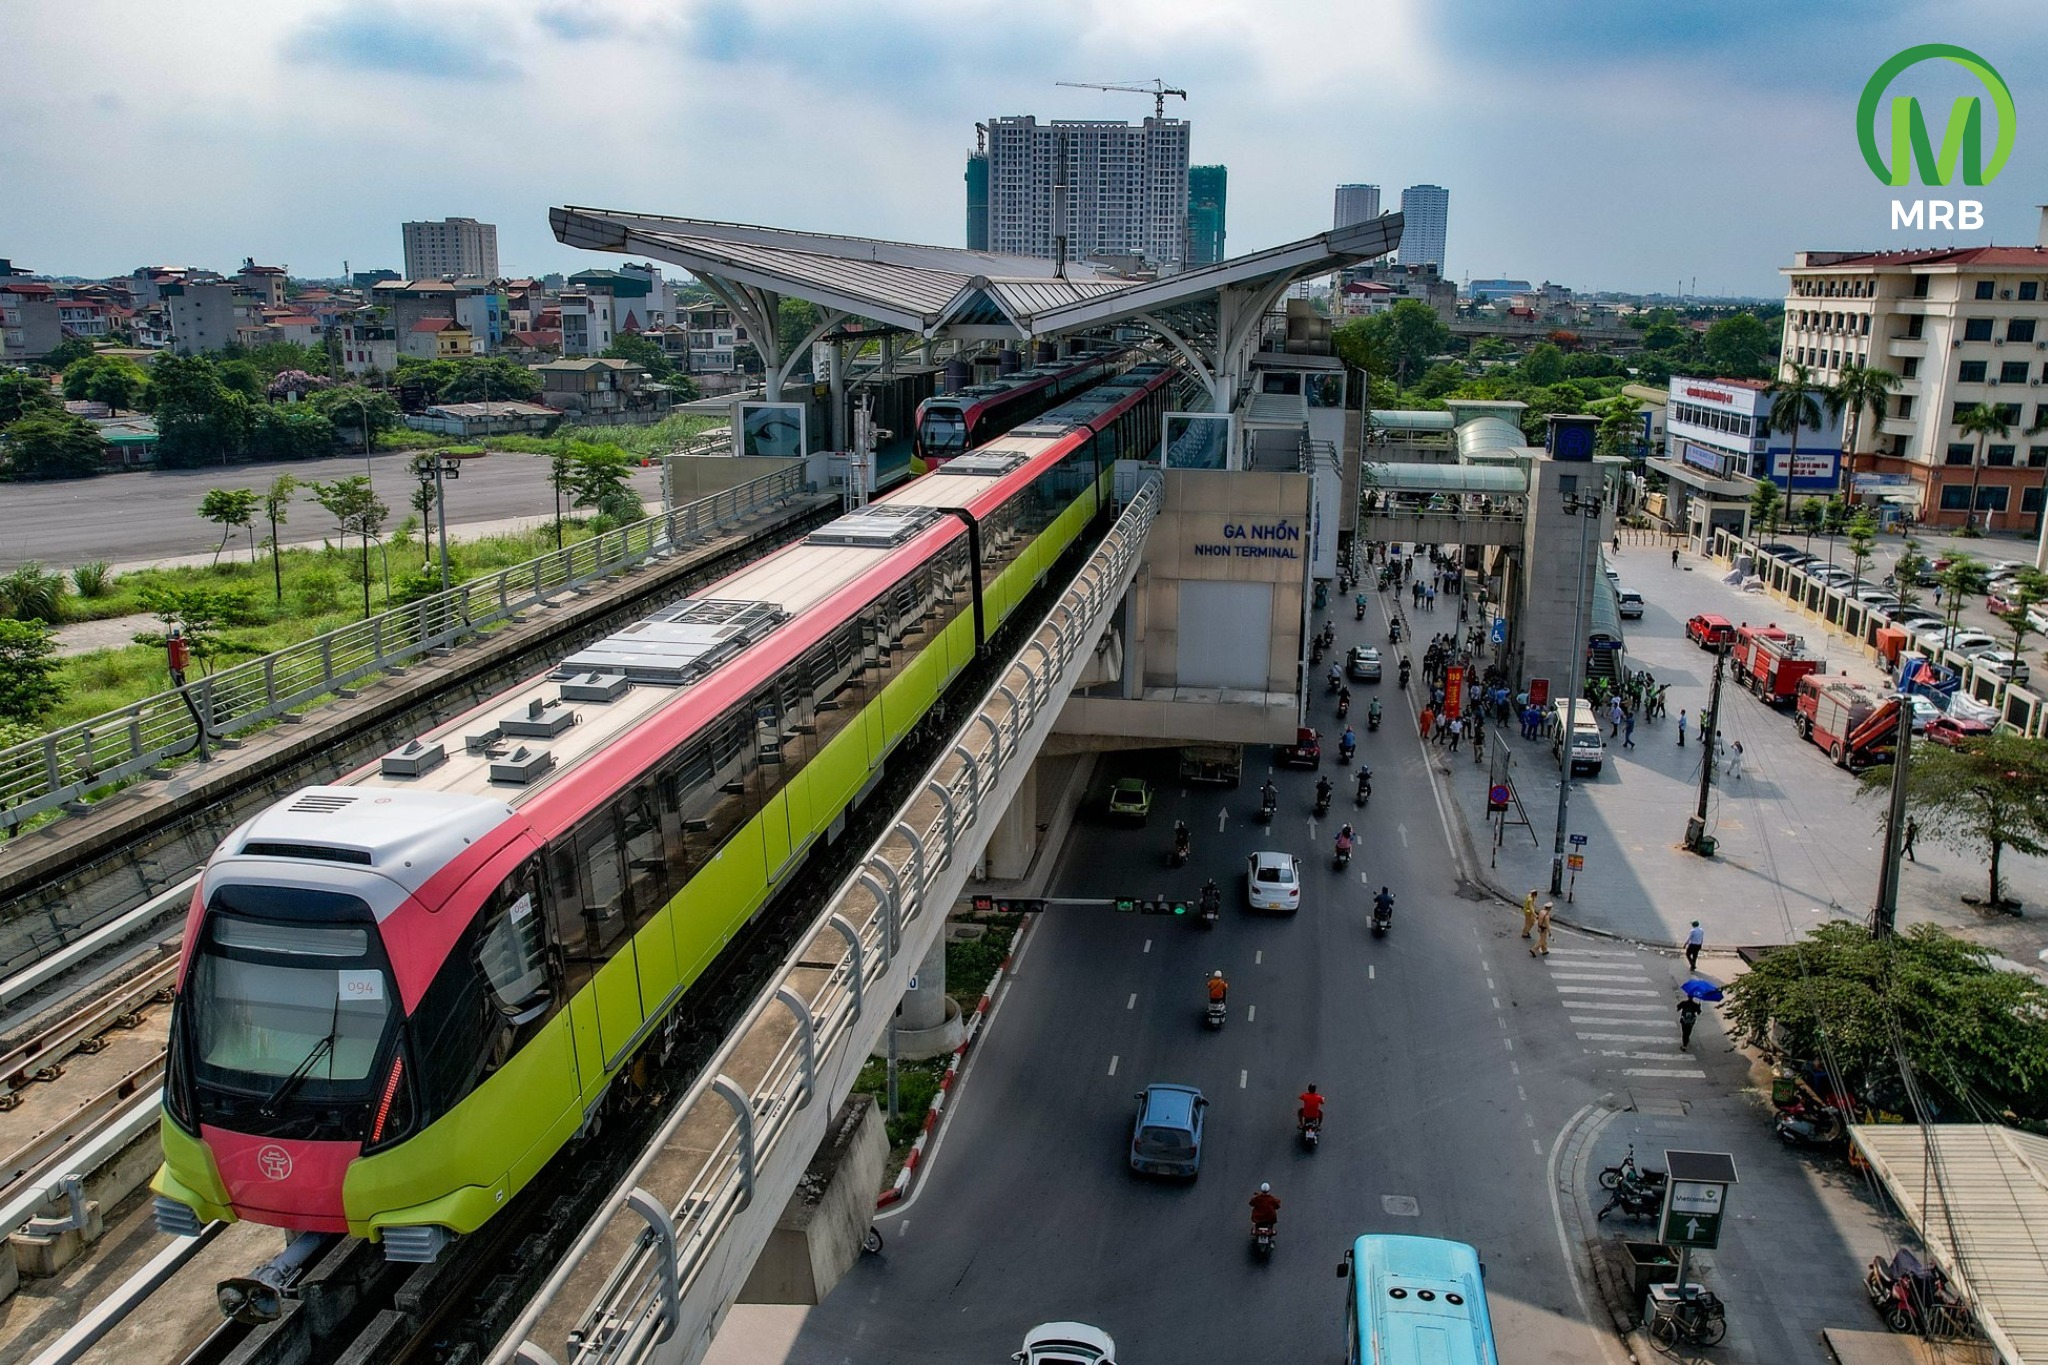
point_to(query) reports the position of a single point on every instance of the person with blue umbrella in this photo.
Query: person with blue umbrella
(1691, 994)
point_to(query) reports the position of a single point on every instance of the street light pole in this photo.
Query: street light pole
(1885, 913)
(441, 515)
(1587, 510)
(1710, 725)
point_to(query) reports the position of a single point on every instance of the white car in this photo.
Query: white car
(2006, 665)
(1874, 594)
(1067, 1343)
(1965, 641)
(1923, 710)
(1628, 604)
(2037, 617)
(1273, 881)
(1919, 622)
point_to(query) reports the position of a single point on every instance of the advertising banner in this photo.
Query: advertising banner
(1454, 690)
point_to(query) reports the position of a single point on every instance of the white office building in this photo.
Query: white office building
(1356, 204)
(451, 247)
(1425, 221)
(1126, 188)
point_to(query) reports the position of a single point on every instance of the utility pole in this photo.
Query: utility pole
(1587, 510)
(1696, 828)
(1886, 912)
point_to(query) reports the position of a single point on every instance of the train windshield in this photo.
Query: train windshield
(943, 432)
(289, 1002)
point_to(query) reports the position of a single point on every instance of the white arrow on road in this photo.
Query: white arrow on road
(1222, 819)
(1311, 829)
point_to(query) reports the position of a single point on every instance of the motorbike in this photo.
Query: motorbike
(1635, 1200)
(1217, 1010)
(1315, 652)
(1346, 747)
(1810, 1125)
(1343, 856)
(1626, 1169)
(1343, 706)
(1361, 611)
(1404, 675)
(1911, 1296)
(1382, 919)
(1372, 717)
(1311, 1132)
(1267, 805)
(1364, 787)
(1180, 850)
(1212, 907)
(1263, 1235)
(1394, 631)
(1323, 800)
(1336, 681)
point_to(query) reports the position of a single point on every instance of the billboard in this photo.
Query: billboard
(1815, 470)
(772, 429)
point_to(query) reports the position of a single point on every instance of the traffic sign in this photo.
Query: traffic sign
(1579, 839)
(1497, 796)
(1500, 630)
(1695, 1198)
(1576, 861)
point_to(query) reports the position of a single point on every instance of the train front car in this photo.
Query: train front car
(336, 1002)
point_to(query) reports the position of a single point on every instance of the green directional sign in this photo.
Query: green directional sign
(1692, 1213)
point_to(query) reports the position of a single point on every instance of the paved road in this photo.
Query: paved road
(134, 518)
(1438, 1123)
(1473, 1091)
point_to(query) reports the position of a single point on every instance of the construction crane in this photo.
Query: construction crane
(1158, 90)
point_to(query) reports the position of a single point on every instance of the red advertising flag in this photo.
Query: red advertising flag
(1539, 691)
(1454, 689)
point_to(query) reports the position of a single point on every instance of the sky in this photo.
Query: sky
(1604, 144)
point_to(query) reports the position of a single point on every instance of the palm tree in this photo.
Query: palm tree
(1982, 422)
(1861, 389)
(1793, 406)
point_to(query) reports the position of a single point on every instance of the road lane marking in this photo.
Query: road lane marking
(1523, 1091)
(1592, 952)
(1242, 1077)
(1510, 1043)
(1515, 1067)
(1402, 830)
(1614, 977)
(1132, 1003)
(1112, 1064)
(1537, 1145)
(1148, 945)
(1259, 958)
(1490, 986)
(1222, 820)
(1496, 1002)
(1601, 990)
(1369, 971)
(1672, 1075)
(1611, 1007)
(1251, 1012)
(1624, 1037)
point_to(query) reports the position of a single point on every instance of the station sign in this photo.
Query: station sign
(1695, 1198)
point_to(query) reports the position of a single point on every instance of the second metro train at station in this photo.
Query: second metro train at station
(953, 423)
(401, 994)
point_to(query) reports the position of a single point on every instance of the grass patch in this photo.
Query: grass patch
(322, 592)
(970, 962)
(656, 439)
(916, 1084)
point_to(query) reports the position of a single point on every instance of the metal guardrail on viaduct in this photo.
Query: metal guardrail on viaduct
(63, 767)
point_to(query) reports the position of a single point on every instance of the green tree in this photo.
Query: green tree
(2029, 587)
(28, 671)
(642, 352)
(794, 319)
(1766, 504)
(1738, 347)
(230, 508)
(1862, 390)
(1979, 798)
(599, 478)
(1907, 572)
(1862, 537)
(113, 380)
(1793, 405)
(1967, 1029)
(489, 379)
(1439, 379)
(1964, 578)
(68, 353)
(358, 511)
(277, 509)
(201, 616)
(1983, 422)
(289, 431)
(199, 420)
(1666, 336)
(1489, 348)
(242, 376)
(1543, 365)
(1621, 425)
(52, 445)
(1363, 348)
(22, 393)
(349, 406)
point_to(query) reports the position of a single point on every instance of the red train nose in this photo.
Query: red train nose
(283, 1183)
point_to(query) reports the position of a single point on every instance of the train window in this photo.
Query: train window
(458, 1033)
(512, 953)
(601, 886)
(646, 860)
(572, 932)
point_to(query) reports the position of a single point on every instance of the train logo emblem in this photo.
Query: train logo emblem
(275, 1161)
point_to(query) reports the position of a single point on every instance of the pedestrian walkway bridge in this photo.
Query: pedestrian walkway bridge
(1437, 504)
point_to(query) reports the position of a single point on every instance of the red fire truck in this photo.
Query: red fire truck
(1850, 723)
(1770, 662)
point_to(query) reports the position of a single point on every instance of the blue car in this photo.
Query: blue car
(1167, 1137)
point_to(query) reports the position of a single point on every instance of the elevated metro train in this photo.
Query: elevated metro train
(954, 423)
(402, 993)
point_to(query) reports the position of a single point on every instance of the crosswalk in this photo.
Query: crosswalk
(1619, 1014)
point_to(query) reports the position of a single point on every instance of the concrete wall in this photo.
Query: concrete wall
(818, 1236)
(1201, 509)
(1553, 573)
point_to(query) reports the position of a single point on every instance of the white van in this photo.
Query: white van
(1578, 729)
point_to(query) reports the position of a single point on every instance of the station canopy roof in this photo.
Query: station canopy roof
(931, 290)
(1504, 479)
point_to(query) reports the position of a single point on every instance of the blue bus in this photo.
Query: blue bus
(1415, 1301)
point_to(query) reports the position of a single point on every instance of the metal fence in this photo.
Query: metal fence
(60, 768)
(665, 1292)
